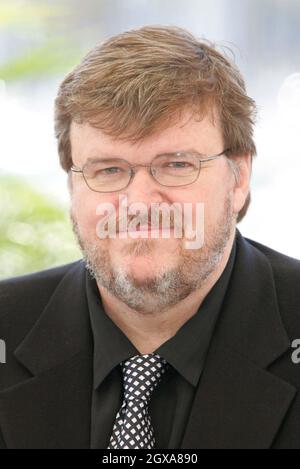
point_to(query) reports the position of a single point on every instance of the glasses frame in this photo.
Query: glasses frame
(75, 169)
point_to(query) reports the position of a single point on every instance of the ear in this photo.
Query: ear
(243, 165)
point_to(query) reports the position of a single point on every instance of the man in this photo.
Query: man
(151, 341)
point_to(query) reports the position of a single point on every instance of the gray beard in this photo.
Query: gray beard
(169, 286)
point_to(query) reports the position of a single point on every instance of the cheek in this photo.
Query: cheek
(88, 208)
(83, 208)
(213, 199)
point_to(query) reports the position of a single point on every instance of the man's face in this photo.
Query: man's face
(153, 274)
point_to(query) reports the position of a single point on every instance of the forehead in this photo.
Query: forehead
(203, 135)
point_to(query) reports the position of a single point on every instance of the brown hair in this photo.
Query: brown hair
(138, 82)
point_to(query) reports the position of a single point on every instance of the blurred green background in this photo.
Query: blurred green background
(35, 231)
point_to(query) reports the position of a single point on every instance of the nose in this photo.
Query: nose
(143, 187)
(147, 168)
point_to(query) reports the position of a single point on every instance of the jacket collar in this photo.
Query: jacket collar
(51, 408)
(251, 323)
(63, 329)
(239, 404)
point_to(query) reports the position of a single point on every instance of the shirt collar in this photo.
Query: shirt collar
(111, 345)
(185, 351)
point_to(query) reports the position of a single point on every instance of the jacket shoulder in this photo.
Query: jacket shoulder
(23, 298)
(286, 275)
(282, 265)
(32, 285)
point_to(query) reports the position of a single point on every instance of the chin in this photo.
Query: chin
(141, 268)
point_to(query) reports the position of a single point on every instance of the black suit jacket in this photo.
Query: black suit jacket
(249, 391)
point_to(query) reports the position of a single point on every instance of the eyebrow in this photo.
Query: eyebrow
(106, 157)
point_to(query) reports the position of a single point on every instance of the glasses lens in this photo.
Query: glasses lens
(176, 170)
(107, 175)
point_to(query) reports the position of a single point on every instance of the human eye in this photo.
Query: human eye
(106, 169)
(111, 170)
(178, 164)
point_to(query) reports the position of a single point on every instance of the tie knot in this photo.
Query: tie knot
(141, 375)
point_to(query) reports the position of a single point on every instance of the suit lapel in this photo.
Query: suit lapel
(238, 403)
(51, 409)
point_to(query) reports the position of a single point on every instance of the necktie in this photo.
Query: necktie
(133, 428)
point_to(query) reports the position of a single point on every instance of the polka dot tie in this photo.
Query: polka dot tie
(133, 428)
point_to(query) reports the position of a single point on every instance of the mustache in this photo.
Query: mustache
(155, 220)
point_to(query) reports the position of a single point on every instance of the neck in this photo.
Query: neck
(148, 331)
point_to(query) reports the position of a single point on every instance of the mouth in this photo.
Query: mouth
(146, 227)
(147, 231)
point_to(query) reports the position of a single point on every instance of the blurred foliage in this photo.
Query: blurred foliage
(35, 233)
(49, 58)
(42, 50)
(18, 12)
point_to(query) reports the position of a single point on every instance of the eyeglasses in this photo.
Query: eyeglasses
(170, 170)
